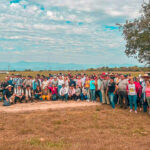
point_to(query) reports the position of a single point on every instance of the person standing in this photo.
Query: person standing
(105, 99)
(60, 83)
(122, 92)
(144, 102)
(147, 94)
(99, 93)
(111, 91)
(87, 87)
(28, 94)
(92, 89)
(132, 95)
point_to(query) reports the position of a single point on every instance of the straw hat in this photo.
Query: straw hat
(9, 86)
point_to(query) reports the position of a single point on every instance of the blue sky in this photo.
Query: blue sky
(65, 31)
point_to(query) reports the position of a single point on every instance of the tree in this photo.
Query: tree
(137, 36)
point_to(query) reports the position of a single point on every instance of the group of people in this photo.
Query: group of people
(107, 88)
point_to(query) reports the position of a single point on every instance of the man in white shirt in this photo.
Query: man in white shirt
(64, 92)
(45, 83)
(60, 83)
(19, 94)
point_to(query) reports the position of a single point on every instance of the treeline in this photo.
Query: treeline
(125, 69)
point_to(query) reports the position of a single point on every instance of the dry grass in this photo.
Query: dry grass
(91, 128)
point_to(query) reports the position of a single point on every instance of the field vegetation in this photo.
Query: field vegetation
(88, 128)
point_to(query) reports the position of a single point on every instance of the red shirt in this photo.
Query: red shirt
(53, 90)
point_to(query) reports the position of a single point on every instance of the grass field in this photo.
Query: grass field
(91, 128)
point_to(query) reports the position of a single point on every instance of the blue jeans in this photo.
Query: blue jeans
(59, 87)
(111, 98)
(65, 97)
(116, 98)
(6, 103)
(83, 97)
(92, 93)
(133, 100)
(37, 96)
(144, 103)
(54, 97)
(99, 93)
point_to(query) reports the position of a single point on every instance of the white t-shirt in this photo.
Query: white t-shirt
(44, 84)
(132, 89)
(60, 82)
(63, 91)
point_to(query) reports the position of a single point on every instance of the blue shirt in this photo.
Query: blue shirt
(92, 85)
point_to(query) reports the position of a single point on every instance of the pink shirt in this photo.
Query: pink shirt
(72, 92)
(147, 91)
(53, 90)
(79, 82)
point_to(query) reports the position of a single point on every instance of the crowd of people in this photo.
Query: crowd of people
(107, 88)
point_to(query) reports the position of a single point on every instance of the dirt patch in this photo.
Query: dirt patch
(27, 107)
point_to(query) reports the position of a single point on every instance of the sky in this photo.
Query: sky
(65, 31)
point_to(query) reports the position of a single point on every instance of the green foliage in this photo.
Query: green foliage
(137, 36)
(125, 69)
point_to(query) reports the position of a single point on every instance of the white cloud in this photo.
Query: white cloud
(69, 31)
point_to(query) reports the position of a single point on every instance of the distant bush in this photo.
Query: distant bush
(124, 69)
(27, 70)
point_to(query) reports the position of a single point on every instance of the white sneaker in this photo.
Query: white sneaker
(131, 110)
(135, 111)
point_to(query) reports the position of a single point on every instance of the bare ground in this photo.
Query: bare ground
(26, 107)
(69, 126)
